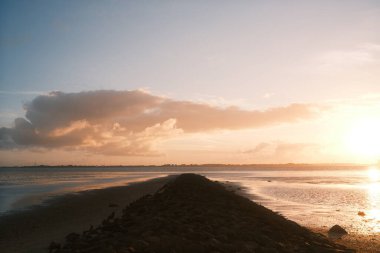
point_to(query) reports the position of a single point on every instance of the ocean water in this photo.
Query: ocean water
(317, 196)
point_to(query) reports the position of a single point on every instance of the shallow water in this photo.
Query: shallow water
(320, 198)
(316, 197)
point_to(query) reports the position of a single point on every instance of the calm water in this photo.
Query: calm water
(318, 197)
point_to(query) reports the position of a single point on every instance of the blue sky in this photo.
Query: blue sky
(250, 54)
(183, 48)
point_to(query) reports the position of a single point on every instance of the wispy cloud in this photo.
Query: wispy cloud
(131, 122)
(282, 151)
(268, 95)
(359, 56)
(7, 92)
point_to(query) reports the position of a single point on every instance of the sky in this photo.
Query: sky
(156, 82)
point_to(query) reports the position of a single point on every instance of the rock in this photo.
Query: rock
(337, 232)
(153, 239)
(269, 250)
(361, 213)
(72, 237)
(131, 249)
(53, 247)
(112, 205)
(111, 216)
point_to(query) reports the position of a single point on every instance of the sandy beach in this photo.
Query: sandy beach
(361, 243)
(33, 230)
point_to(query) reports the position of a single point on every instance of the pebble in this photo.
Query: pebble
(361, 213)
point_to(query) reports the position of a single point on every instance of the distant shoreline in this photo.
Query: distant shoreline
(252, 166)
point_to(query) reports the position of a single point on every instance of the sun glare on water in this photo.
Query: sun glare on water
(373, 174)
(363, 138)
(372, 216)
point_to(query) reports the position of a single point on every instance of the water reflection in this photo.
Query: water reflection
(373, 192)
(373, 174)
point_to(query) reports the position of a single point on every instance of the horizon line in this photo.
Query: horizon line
(195, 165)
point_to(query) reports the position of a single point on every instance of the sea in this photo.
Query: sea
(317, 196)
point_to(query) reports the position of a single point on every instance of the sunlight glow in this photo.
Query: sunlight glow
(372, 216)
(373, 213)
(364, 138)
(373, 174)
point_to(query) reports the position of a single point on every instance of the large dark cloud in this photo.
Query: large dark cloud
(130, 122)
(61, 109)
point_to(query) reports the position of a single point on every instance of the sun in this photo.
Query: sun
(363, 138)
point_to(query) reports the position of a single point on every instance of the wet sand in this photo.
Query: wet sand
(32, 230)
(359, 242)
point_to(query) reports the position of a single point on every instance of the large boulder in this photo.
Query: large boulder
(337, 232)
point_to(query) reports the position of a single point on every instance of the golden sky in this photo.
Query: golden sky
(146, 82)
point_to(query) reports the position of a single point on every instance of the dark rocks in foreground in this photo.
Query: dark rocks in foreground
(194, 214)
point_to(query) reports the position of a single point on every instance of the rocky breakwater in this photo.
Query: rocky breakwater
(194, 214)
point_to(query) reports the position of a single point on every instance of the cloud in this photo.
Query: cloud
(258, 149)
(17, 93)
(130, 122)
(283, 151)
(361, 55)
(268, 95)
